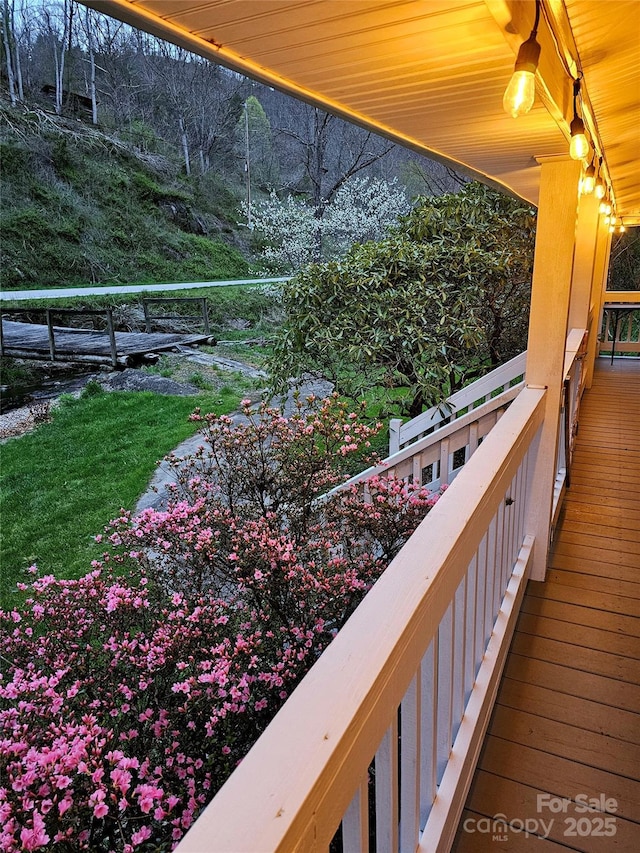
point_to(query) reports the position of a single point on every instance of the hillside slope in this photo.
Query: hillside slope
(79, 206)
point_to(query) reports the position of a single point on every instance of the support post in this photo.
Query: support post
(394, 435)
(585, 257)
(147, 317)
(598, 288)
(550, 302)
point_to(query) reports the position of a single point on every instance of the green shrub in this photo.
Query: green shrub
(92, 389)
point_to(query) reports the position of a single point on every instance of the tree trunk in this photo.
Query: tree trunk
(495, 341)
(185, 146)
(417, 404)
(59, 62)
(92, 69)
(16, 47)
(6, 40)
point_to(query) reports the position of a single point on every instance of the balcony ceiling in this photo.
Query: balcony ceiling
(430, 74)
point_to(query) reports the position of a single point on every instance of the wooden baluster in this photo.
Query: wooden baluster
(355, 823)
(410, 716)
(387, 788)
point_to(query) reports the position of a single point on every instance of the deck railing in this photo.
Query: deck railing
(435, 459)
(405, 690)
(389, 721)
(481, 391)
(573, 387)
(620, 330)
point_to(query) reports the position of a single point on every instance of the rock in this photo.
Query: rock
(138, 380)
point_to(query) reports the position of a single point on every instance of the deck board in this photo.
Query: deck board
(567, 714)
(573, 634)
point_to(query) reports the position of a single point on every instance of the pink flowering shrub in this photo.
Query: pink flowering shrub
(128, 696)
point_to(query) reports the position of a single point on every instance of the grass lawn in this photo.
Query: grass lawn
(62, 483)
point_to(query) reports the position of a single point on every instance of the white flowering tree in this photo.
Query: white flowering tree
(295, 233)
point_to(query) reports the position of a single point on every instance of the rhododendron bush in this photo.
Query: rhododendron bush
(128, 696)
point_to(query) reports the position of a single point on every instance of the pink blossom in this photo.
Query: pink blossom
(100, 810)
(36, 836)
(253, 600)
(141, 835)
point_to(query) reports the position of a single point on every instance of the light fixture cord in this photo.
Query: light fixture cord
(534, 31)
(576, 92)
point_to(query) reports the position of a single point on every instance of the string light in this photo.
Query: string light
(589, 180)
(605, 208)
(521, 89)
(579, 147)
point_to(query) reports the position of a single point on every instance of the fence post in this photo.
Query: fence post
(112, 338)
(205, 316)
(147, 319)
(52, 342)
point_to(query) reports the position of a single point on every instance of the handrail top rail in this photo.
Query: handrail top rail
(617, 297)
(438, 435)
(464, 397)
(292, 769)
(576, 340)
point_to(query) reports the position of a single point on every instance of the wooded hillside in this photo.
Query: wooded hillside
(128, 159)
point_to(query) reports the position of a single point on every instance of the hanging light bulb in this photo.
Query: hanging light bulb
(589, 180)
(612, 228)
(621, 229)
(521, 89)
(605, 208)
(579, 147)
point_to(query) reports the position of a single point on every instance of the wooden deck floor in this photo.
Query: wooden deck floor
(567, 717)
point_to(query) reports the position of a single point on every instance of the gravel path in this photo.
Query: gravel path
(16, 422)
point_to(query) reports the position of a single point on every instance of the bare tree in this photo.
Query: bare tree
(171, 70)
(11, 53)
(57, 29)
(217, 97)
(89, 26)
(429, 178)
(329, 152)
